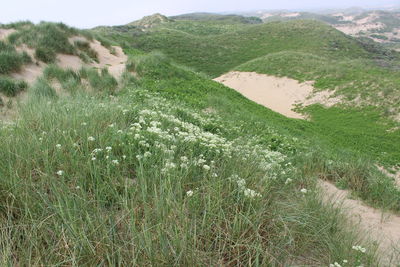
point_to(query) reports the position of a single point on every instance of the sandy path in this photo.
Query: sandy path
(278, 94)
(384, 228)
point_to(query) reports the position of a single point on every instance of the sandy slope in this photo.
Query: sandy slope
(114, 63)
(4, 33)
(383, 228)
(277, 93)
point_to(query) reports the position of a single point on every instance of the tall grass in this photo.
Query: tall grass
(11, 87)
(10, 59)
(139, 180)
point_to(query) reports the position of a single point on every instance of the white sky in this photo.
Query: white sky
(90, 13)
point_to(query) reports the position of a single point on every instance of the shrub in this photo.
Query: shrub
(46, 55)
(10, 61)
(10, 87)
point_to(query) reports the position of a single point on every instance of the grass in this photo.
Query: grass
(87, 51)
(10, 87)
(169, 168)
(110, 179)
(10, 59)
(341, 134)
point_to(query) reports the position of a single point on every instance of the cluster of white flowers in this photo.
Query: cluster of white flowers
(241, 183)
(359, 248)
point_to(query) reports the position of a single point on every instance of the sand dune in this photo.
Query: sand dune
(277, 93)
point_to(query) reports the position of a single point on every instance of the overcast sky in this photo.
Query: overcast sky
(90, 13)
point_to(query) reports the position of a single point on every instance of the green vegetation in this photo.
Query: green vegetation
(165, 167)
(220, 53)
(10, 87)
(10, 59)
(149, 177)
(303, 50)
(45, 55)
(342, 135)
(87, 51)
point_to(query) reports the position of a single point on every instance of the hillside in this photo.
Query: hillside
(378, 25)
(26, 50)
(140, 158)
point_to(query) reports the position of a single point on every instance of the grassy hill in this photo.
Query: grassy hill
(165, 167)
(303, 50)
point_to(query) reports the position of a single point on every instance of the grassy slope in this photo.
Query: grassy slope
(108, 181)
(170, 132)
(345, 146)
(217, 54)
(303, 50)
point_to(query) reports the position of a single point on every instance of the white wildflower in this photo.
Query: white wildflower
(58, 146)
(189, 193)
(359, 248)
(108, 148)
(206, 167)
(91, 138)
(251, 193)
(303, 190)
(288, 180)
(115, 162)
(93, 158)
(60, 173)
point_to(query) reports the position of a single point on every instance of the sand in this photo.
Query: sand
(383, 228)
(114, 63)
(277, 93)
(4, 33)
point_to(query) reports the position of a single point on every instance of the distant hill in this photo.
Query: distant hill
(218, 17)
(151, 21)
(382, 26)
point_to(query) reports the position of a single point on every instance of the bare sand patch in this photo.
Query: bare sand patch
(114, 62)
(383, 228)
(290, 15)
(354, 29)
(30, 72)
(280, 94)
(69, 62)
(4, 33)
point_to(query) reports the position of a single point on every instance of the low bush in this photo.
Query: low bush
(11, 87)
(46, 55)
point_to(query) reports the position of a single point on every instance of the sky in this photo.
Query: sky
(91, 13)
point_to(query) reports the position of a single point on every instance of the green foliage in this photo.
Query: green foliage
(52, 37)
(46, 55)
(103, 82)
(216, 54)
(10, 87)
(88, 52)
(115, 173)
(10, 59)
(42, 89)
(337, 131)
